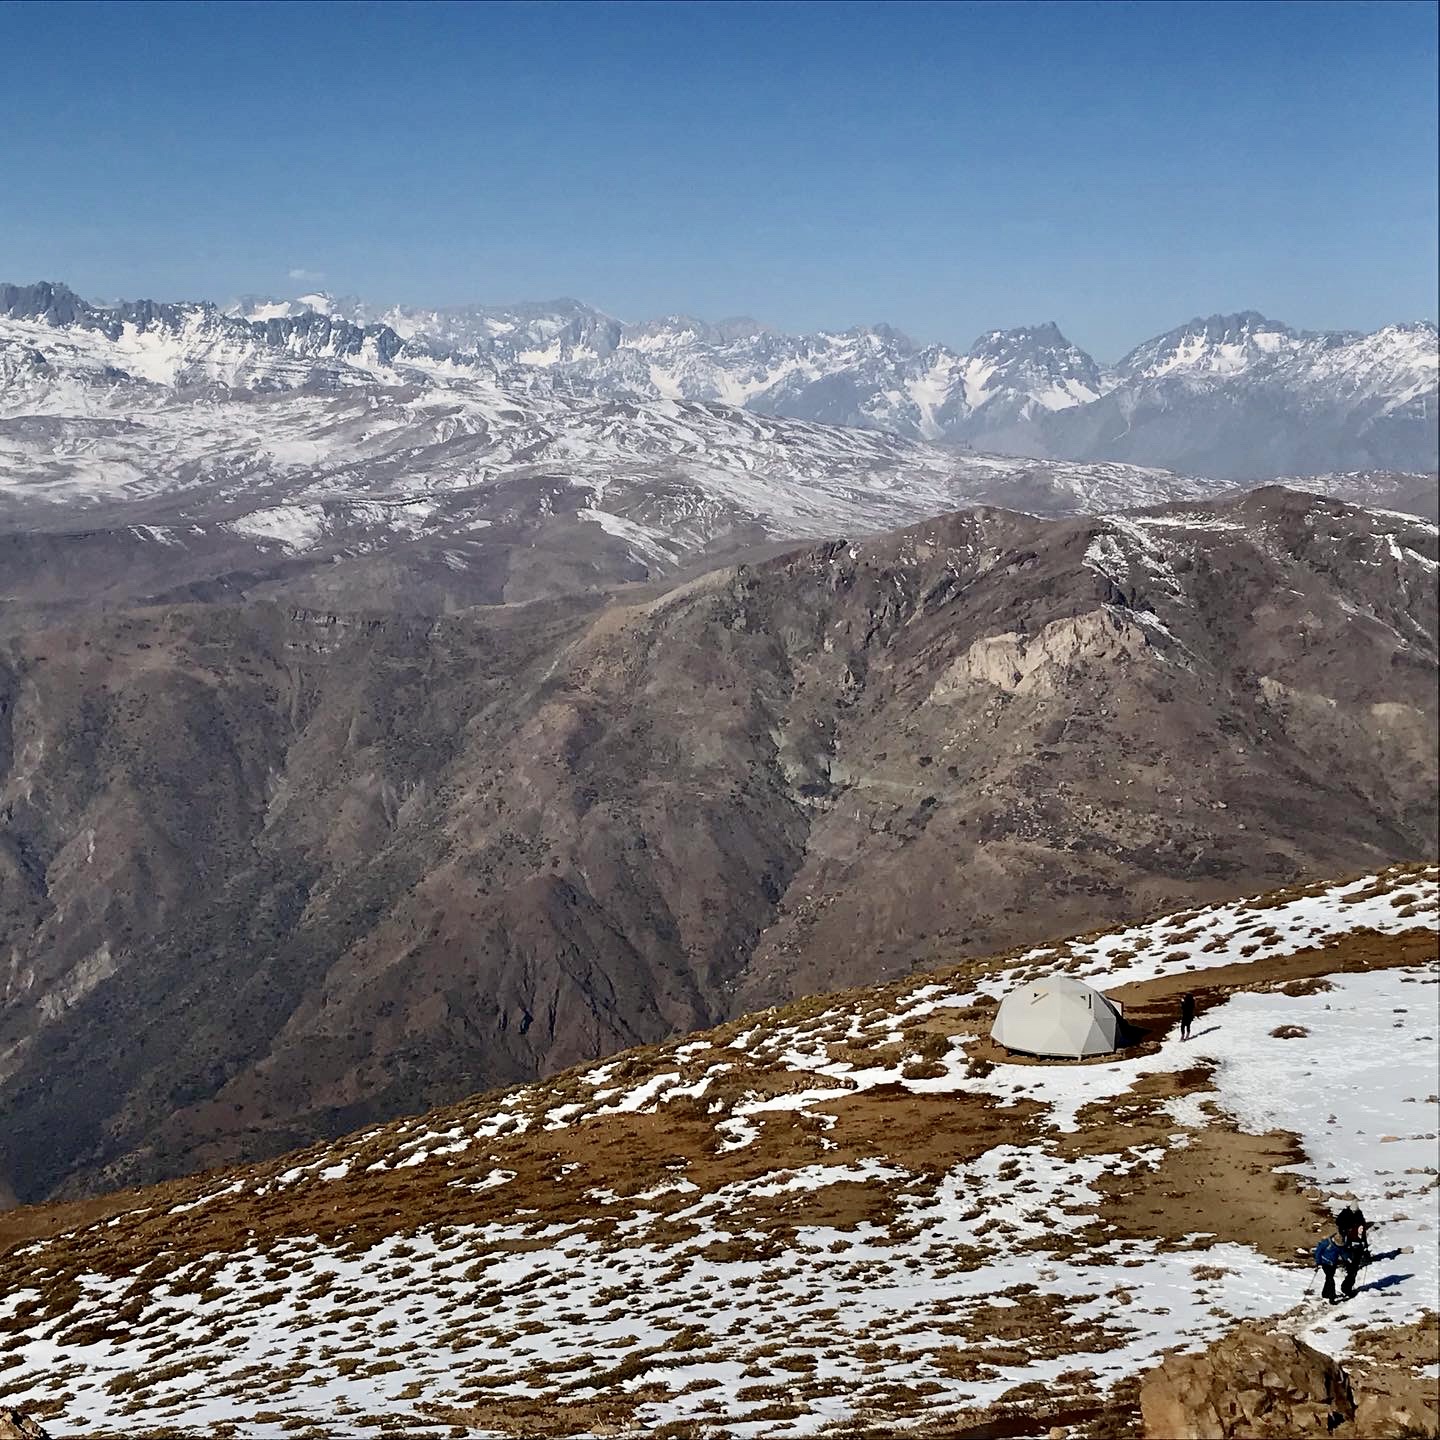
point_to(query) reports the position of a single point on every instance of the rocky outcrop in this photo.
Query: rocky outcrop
(1400, 1405)
(17, 1425)
(1011, 662)
(1254, 1384)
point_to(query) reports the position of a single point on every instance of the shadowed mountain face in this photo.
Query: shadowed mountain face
(268, 873)
(1242, 397)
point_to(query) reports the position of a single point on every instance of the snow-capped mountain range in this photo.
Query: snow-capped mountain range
(874, 377)
(1234, 396)
(144, 401)
(285, 424)
(1240, 395)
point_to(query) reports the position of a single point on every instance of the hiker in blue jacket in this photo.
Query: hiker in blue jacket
(1331, 1253)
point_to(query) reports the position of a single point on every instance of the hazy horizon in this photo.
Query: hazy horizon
(946, 169)
(299, 290)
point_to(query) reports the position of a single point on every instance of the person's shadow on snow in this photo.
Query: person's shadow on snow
(1208, 1030)
(1385, 1282)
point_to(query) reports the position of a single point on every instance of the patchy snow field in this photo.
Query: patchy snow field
(845, 1212)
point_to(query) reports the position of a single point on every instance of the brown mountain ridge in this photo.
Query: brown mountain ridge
(268, 874)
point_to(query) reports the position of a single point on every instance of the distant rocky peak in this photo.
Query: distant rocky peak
(740, 327)
(689, 329)
(1030, 341)
(1414, 338)
(1022, 337)
(44, 300)
(1241, 322)
(1038, 355)
(676, 324)
(183, 335)
(1214, 343)
(887, 335)
(58, 305)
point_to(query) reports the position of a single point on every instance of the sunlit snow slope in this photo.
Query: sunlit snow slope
(852, 1214)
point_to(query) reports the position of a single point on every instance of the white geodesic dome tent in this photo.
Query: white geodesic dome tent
(1057, 1016)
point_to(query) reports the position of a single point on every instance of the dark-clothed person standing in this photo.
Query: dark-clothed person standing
(1187, 1015)
(1352, 1227)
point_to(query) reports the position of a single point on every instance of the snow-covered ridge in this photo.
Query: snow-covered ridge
(299, 428)
(872, 376)
(304, 427)
(851, 1207)
(1377, 390)
(1242, 396)
(1001, 392)
(1227, 345)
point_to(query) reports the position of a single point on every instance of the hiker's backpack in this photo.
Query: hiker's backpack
(1327, 1252)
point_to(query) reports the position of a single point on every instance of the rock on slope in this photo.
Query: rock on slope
(852, 1216)
(16, 1425)
(1253, 1383)
(266, 875)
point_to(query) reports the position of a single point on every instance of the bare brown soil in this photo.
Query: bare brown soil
(542, 1419)
(628, 1153)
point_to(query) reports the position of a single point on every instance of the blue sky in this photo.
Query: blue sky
(948, 168)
